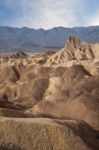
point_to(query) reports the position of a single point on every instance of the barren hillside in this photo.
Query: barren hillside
(62, 86)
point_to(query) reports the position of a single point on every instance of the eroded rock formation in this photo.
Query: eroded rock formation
(62, 86)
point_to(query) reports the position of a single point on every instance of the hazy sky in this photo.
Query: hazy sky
(49, 13)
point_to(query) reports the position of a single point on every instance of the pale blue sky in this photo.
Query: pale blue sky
(49, 13)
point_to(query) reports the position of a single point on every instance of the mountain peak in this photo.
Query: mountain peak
(75, 49)
(73, 42)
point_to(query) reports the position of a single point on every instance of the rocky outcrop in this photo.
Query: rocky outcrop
(19, 55)
(74, 50)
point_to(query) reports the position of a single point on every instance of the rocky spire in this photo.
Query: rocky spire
(73, 50)
(73, 42)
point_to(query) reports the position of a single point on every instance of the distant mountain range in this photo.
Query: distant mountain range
(32, 40)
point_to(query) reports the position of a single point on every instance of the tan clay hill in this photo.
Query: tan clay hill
(62, 86)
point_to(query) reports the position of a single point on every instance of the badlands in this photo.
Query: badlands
(50, 101)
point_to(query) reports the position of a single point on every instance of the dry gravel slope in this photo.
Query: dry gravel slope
(46, 134)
